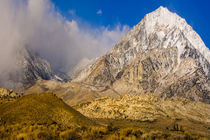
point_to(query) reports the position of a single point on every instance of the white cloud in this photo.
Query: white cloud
(35, 23)
(72, 12)
(99, 12)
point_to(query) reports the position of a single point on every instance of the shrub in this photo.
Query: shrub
(70, 135)
(111, 128)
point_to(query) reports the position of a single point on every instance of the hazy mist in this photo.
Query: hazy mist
(37, 25)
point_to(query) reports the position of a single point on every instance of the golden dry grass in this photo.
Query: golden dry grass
(45, 116)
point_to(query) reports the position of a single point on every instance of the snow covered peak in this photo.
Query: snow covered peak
(161, 22)
(162, 10)
(160, 29)
(163, 17)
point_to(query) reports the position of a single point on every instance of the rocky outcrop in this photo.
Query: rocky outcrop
(7, 93)
(161, 55)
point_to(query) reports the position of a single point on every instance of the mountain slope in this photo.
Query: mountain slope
(70, 92)
(169, 57)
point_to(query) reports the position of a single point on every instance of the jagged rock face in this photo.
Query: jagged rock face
(29, 67)
(157, 72)
(35, 67)
(161, 55)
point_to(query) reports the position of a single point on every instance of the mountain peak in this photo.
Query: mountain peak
(164, 12)
(162, 9)
(162, 16)
(162, 21)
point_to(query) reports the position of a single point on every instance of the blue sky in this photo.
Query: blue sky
(109, 13)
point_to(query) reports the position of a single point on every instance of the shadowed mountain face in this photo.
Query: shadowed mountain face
(27, 68)
(161, 55)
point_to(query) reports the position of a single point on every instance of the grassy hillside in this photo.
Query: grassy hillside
(41, 108)
(45, 116)
(38, 113)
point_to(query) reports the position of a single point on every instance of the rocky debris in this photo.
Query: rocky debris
(146, 108)
(161, 55)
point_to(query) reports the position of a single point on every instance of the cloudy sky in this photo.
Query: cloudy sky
(66, 31)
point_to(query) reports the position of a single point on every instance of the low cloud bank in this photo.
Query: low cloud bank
(37, 25)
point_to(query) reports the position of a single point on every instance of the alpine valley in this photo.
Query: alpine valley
(153, 84)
